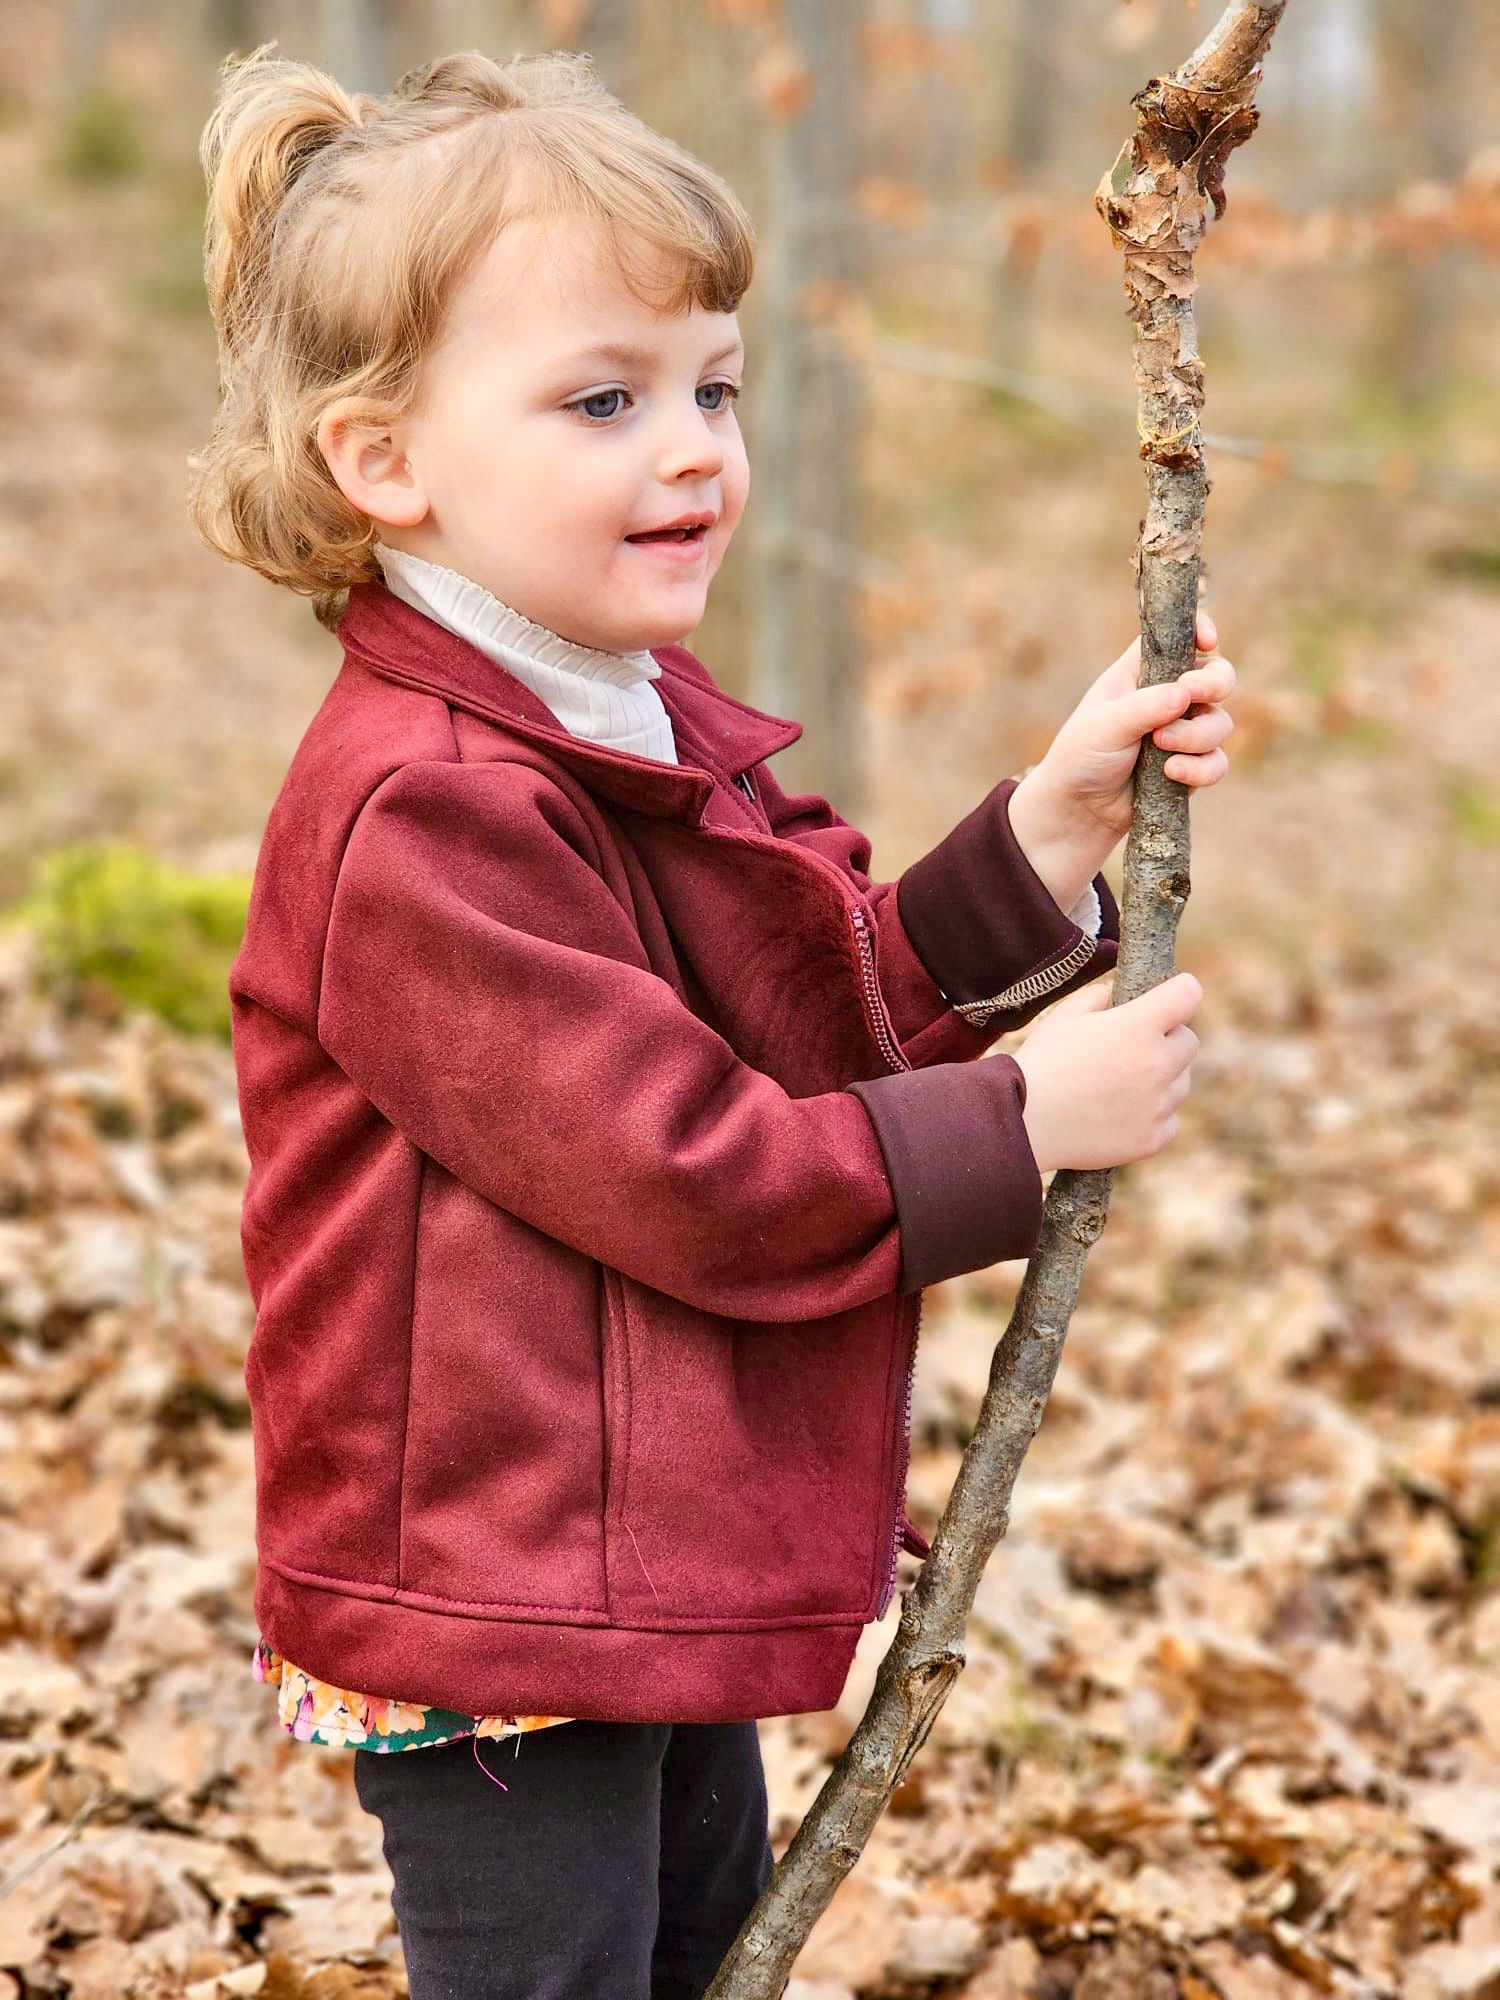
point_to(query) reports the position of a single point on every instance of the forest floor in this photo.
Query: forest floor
(1230, 1722)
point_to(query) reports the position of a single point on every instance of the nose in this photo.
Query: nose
(691, 446)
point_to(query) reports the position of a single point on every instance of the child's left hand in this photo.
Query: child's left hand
(1088, 769)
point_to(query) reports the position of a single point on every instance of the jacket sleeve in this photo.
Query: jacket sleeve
(970, 942)
(487, 990)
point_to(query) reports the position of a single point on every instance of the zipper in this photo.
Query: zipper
(889, 1047)
(891, 1050)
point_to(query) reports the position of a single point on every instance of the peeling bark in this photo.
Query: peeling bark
(1156, 200)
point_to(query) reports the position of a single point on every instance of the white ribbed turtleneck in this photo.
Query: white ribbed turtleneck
(605, 697)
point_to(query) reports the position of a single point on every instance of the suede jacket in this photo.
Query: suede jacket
(605, 1120)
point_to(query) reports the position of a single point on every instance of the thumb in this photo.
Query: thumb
(1173, 1000)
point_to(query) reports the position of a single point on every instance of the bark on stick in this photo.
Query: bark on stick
(1156, 201)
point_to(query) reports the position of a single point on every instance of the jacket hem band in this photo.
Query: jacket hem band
(606, 1673)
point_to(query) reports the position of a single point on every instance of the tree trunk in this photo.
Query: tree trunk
(1424, 58)
(86, 38)
(1155, 200)
(809, 400)
(356, 44)
(1026, 125)
(603, 31)
(231, 25)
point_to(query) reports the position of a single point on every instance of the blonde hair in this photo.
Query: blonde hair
(337, 231)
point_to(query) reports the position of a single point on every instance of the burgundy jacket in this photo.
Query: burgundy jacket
(605, 1120)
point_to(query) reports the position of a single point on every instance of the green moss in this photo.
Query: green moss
(155, 936)
(1471, 562)
(100, 138)
(1473, 808)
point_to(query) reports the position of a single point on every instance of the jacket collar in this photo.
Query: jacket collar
(396, 641)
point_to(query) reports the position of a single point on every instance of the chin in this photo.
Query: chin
(665, 632)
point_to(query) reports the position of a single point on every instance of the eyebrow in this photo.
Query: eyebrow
(638, 357)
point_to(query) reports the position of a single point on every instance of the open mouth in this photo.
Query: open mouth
(697, 534)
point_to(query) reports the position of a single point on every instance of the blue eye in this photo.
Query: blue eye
(599, 396)
(730, 390)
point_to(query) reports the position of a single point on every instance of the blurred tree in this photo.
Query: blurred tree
(810, 404)
(604, 30)
(1426, 135)
(1027, 117)
(85, 40)
(356, 43)
(940, 99)
(232, 24)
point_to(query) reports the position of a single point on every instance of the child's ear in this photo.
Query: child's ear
(369, 464)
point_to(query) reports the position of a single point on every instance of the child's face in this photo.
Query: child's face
(531, 461)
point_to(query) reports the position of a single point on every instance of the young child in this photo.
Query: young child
(605, 1117)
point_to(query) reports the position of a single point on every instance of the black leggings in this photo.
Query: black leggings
(618, 1864)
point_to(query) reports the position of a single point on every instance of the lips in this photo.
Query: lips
(673, 550)
(669, 535)
(686, 527)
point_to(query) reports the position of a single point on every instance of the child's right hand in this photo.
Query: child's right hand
(1103, 1083)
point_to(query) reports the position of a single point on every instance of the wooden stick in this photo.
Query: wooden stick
(1155, 200)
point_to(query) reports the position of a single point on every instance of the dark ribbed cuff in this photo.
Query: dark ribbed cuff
(983, 921)
(967, 1189)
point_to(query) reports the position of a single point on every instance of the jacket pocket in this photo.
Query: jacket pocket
(750, 1462)
(503, 1469)
(614, 1337)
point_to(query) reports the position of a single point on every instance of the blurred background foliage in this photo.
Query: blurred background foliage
(1230, 1719)
(945, 487)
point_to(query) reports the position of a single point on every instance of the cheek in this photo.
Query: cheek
(736, 482)
(465, 469)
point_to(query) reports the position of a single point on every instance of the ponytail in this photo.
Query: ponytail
(273, 118)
